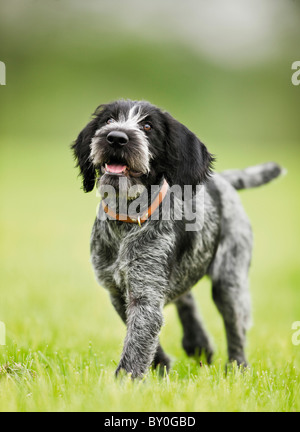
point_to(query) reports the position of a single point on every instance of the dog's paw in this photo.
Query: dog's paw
(163, 363)
(194, 348)
(124, 371)
(121, 373)
(233, 367)
(237, 362)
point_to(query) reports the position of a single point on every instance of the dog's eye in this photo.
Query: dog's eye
(147, 127)
(110, 120)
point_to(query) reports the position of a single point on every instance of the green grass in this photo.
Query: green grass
(63, 337)
(66, 382)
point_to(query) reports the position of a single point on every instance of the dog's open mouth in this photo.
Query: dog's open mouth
(119, 169)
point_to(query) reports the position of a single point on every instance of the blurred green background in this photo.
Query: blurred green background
(221, 68)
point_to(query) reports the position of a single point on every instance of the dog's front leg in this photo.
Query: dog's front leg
(144, 274)
(144, 321)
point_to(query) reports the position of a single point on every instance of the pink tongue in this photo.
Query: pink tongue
(117, 169)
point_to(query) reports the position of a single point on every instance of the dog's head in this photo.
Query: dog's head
(137, 142)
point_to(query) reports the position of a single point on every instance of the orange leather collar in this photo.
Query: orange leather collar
(141, 219)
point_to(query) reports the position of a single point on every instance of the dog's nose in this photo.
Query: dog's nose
(117, 138)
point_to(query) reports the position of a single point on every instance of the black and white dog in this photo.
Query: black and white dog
(146, 260)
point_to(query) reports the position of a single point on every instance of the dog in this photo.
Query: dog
(147, 261)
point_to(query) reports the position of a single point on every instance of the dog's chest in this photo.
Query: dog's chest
(131, 257)
(106, 256)
(152, 256)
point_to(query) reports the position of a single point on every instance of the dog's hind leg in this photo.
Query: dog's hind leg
(232, 300)
(229, 274)
(195, 339)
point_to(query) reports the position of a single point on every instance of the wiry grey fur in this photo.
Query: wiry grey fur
(144, 268)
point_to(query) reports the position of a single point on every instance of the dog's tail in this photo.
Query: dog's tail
(253, 176)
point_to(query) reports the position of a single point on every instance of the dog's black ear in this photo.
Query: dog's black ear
(188, 162)
(82, 151)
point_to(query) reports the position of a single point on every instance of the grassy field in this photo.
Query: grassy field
(63, 337)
